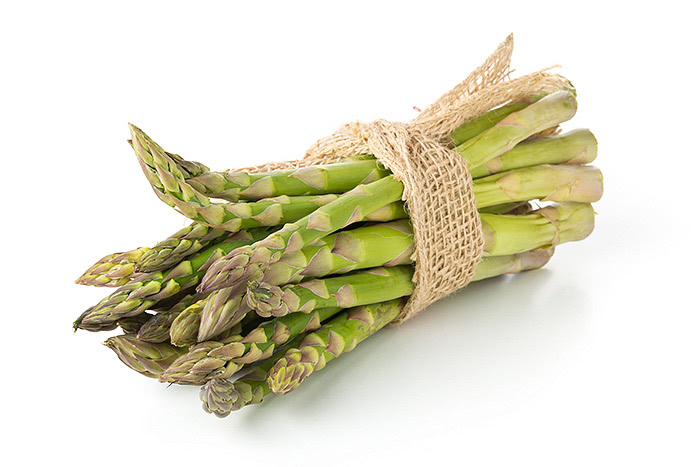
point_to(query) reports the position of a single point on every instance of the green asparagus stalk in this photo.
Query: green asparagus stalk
(146, 358)
(315, 180)
(547, 112)
(339, 336)
(157, 328)
(113, 270)
(478, 125)
(184, 328)
(132, 324)
(182, 244)
(361, 288)
(574, 147)
(549, 226)
(137, 296)
(492, 266)
(222, 358)
(583, 184)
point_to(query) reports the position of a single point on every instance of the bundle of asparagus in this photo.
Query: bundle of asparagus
(282, 271)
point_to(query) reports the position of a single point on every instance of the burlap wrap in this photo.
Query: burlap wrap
(437, 185)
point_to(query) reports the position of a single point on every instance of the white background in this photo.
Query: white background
(591, 361)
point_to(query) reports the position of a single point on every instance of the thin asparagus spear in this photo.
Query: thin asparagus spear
(339, 336)
(148, 359)
(361, 288)
(222, 358)
(183, 243)
(315, 180)
(157, 328)
(113, 270)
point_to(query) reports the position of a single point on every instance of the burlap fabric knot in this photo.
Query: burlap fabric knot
(437, 186)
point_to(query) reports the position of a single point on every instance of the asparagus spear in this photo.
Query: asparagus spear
(222, 358)
(137, 296)
(157, 328)
(478, 125)
(183, 243)
(315, 180)
(132, 324)
(549, 226)
(340, 335)
(146, 358)
(361, 288)
(492, 266)
(113, 270)
(574, 147)
(583, 184)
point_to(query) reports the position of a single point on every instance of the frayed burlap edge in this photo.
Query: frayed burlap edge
(437, 185)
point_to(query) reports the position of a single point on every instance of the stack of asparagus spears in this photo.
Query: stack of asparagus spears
(281, 272)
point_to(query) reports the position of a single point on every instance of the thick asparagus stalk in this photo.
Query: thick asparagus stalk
(146, 358)
(317, 180)
(574, 147)
(222, 358)
(549, 226)
(137, 296)
(583, 184)
(478, 125)
(492, 266)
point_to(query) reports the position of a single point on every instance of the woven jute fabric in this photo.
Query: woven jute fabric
(437, 186)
